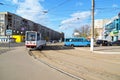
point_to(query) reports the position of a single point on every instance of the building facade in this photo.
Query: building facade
(112, 29)
(99, 27)
(20, 25)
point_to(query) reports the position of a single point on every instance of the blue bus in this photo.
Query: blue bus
(76, 42)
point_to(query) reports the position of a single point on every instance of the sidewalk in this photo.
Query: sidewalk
(103, 49)
(4, 47)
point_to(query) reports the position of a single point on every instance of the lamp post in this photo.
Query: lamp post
(92, 27)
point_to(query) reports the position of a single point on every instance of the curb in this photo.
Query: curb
(99, 52)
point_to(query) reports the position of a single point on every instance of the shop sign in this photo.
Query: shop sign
(115, 32)
(8, 32)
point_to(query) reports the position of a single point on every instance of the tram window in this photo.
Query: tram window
(38, 36)
(32, 37)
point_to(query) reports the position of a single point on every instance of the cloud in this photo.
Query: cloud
(75, 20)
(79, 3)
(15, 1)
(31, 9)
(114, 5)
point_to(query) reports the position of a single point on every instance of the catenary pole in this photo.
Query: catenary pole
(92, 27)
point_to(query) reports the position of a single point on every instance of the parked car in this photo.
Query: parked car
(102, 43)
(115, 43)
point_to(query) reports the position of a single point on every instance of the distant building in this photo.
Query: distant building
(20, 25)
(99, 27)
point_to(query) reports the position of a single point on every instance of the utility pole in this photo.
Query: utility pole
(92, 26)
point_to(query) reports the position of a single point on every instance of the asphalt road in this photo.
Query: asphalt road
(17, 64)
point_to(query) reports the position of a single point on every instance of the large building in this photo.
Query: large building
(20, 25)
(112, 29)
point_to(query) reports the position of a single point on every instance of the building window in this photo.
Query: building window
(117, 26)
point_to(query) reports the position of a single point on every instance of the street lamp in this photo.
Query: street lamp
(17, 32)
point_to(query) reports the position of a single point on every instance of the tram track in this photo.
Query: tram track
(54, 67)
(78, 69)
(57, 57)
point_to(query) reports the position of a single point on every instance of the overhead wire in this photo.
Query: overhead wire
(3, 4)
(58, 5)
(107, 9)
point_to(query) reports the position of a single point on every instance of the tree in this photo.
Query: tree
(95, 33)
(84, 31)
(76, 33)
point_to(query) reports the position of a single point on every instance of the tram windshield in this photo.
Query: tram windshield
(31, 36)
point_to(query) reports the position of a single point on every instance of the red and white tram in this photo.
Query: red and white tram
(33, 39)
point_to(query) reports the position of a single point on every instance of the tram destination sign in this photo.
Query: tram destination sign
(8, 32)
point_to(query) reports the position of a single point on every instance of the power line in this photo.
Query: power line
(60, 4)
(6, 4)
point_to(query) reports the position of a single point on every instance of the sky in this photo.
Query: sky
(61, 15)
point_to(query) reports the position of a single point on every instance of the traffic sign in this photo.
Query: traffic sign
(8, 32)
